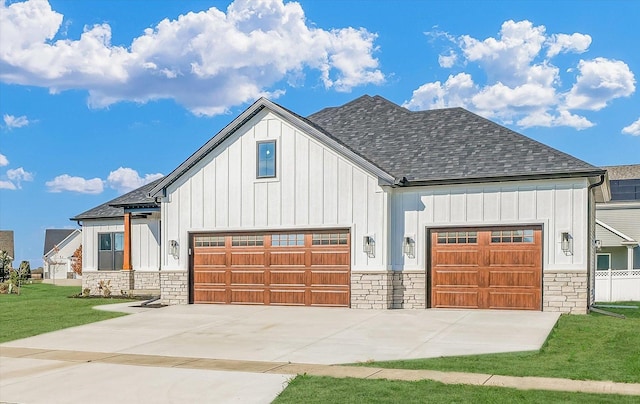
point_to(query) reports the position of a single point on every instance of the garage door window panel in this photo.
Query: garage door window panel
(458, 237)
(287, 239)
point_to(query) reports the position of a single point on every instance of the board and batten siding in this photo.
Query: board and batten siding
(145, 242)
(315, 187)
(558, 205)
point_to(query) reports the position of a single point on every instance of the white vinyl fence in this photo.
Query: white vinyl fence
(617, 285)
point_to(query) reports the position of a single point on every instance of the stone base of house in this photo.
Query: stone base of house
(121, 283)
(174, 287)
(565, 291)
(388, 290)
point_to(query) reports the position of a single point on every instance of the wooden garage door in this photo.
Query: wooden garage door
(306, 269)
(497, 268)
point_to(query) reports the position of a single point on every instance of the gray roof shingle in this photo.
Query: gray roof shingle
(626, 172)
(440, 145)
(115, 207)
(53, 237)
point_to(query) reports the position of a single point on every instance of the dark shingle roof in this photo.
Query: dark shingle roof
(440, 145)
(53, 237)
(115, 207)
(6, 242)
(626, 172)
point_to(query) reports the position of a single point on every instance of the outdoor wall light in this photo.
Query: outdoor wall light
(174, 249)
(566, 243)
(598, 244)
(369, 246)
(409, 246)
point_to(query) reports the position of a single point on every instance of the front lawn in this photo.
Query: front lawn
(316, 389)
(592, 347)
(43, 308)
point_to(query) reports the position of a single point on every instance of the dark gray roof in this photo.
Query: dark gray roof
(6, 242)
(626, 172)
(446, 145)
(138, 198)
(53, 237)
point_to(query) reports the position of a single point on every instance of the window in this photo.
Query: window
(458, 237)
(603, 262)
(266, 159)
(329, 238)
(281, 240)
(209, 241)
(249, 240)
(110, 251)
(512, 236)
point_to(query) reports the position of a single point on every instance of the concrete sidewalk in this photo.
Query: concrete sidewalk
(60, 358)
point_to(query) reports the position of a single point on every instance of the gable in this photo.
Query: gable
(294, 120)
(53, 237)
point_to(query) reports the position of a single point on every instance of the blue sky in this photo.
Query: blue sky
(99, 97)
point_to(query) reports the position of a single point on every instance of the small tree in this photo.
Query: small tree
(5, 265)
(76, 261)
(24, 271)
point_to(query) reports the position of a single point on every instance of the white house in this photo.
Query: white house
(59, 246)
(618, 235)
(366, 205)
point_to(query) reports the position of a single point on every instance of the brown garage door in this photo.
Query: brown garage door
(305, 268)
(496, 268)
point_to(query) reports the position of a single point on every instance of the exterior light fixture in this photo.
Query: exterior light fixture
(566, 243)
(409, 246)
(598, 244)
(369, 246)
(174, 249)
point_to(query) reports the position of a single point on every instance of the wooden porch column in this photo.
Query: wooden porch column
(126, 264)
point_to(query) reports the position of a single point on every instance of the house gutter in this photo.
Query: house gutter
(404, 182)
(591, 242)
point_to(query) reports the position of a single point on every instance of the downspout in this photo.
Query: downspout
(589, 274)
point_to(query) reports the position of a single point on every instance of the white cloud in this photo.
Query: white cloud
(126, 179)
(4, 161)
(600, 81)
(456, 91)
(15, 121)
(522, 84)
(449, 60)
(563, 43)
(7, 185)
(17, 175)
(206, 61)
(563, 118)
(66, 182)
(633, 129)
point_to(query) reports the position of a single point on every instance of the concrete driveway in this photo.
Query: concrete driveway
(249, 333)
(304, 335)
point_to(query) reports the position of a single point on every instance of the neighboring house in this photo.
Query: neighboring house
(618, 235)
(366, 205)
(59, 246)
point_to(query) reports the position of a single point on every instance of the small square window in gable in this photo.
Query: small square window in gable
(266, 159)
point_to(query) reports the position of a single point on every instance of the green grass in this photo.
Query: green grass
(592, 347)
(43, 308)
(316, 389)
